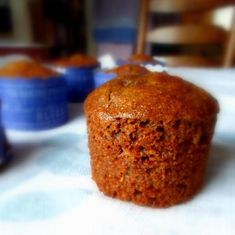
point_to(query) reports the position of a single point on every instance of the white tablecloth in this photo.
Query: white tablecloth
(48, 188)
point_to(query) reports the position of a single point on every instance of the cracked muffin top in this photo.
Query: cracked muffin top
(26, 69)
(152, 96)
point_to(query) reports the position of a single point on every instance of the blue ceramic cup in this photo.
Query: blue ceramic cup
(33, 104)
(80, 82)
(102, 77)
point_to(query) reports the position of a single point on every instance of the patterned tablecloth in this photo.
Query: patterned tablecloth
(48, 188)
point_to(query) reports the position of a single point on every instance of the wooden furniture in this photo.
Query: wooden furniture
(33, 50)
(230, 47)
(198, 32)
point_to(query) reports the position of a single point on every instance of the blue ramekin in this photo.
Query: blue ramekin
(102, 77)
(80, 82)
(33, 104)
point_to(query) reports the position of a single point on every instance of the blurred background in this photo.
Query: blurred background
(183, 33)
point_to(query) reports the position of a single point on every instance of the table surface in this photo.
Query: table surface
(48, 187)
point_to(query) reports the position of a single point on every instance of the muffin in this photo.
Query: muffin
(26, 69)
(77, 60)
(149, 137)
(141, 58)
(128, 69)
(33, 97)
(78, 71)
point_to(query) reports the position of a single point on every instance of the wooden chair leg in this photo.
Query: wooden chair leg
(142, 27)
(230, 47)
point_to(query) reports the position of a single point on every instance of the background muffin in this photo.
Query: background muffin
(26, 69)
(128, 69)
(149, 138)
(141, 58)
(77, 60)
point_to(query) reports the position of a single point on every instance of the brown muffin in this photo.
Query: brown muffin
(141, 58)
(149, 138)
(26, 69)
(77, 60)
(128, 69)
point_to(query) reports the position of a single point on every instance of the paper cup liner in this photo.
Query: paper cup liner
(33, 104)
(102, 77)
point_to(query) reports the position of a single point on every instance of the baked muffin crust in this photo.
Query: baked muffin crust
(149, 138)
(128, 69)
(77, 60)
(26, 69)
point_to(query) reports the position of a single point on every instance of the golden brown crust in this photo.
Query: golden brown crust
(26, 69)
(152, 96)
(77, 60)
(128, 69)
(149, 138)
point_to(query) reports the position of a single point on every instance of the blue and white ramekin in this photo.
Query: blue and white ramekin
(33, 104)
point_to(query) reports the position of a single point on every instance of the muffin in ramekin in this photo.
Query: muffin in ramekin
(149, 138)
(78, 71)
(33, 97)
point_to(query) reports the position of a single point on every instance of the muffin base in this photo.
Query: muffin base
(150, 163)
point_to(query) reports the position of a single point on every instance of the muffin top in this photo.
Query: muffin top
(26, 69)
(128, 69)
(141, 58)
(153, 96)
(77, 60)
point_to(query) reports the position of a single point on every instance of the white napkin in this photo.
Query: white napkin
(48, 187)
